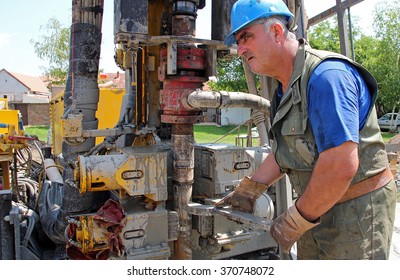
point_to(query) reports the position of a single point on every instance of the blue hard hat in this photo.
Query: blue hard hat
(246, 11)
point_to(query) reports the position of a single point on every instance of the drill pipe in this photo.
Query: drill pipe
(182, 141)
(81, 95)
(223, 99)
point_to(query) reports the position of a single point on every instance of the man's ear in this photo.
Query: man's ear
(278, 32)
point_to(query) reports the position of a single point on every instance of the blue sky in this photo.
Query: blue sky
(20, 22)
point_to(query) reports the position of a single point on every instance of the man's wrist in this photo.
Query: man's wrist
(309, 218)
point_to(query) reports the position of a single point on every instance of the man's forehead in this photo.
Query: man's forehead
(243, 31)
(249, 26)
(239, 33)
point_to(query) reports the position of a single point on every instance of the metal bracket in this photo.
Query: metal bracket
(244, 218)
(237, 216)
(199, 209)
(172, 58)
(14, 220)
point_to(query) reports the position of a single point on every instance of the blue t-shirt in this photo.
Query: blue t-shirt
(338, 103)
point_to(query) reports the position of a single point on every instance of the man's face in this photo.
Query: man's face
(257, 47)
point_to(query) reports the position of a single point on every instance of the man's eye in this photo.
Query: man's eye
(244, 38)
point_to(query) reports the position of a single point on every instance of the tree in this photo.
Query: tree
(230, 76)
(325, 36)
(387, 57)
(365, 48)
(54, 48)
(374, 53)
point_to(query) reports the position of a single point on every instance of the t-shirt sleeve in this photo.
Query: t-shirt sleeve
(333, 109)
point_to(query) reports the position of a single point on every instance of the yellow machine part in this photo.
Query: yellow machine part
(138, 171)
(90, 236)
(108, 109)
(108, 112)
(56, 113)
(10, 118)
(9, 127)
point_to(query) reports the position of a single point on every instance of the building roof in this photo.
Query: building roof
(34, 84)
(35, 98)
(114, 80)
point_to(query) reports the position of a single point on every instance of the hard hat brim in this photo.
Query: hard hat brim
(230, 38)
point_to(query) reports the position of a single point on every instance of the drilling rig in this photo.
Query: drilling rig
(124, 192)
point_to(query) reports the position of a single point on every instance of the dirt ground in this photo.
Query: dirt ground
(395, 248)
(395, 139)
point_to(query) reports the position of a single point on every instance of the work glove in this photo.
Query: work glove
(244, 197)
(287, 228)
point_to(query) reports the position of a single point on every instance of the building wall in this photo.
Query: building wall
(39, 114)
(226, 116)
(33, 114)
(11, 87)
(234, 116)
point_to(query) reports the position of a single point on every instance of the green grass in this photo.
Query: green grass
(202, 133)
(387, 136)
(212, 133)
(40, 131)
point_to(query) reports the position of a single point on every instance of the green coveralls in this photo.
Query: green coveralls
(360, 228)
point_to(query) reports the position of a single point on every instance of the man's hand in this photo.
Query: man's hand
(287, 228)
(244, 197)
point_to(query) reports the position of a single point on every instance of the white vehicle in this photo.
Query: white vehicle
(389, 121)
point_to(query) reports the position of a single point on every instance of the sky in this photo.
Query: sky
(21, 21)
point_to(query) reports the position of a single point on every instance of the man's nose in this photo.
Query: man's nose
(241, 49)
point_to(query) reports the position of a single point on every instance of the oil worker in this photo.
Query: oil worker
(325, 137)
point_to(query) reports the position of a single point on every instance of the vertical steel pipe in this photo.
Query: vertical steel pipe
(182, 141)
(189, 75)
(80, 97)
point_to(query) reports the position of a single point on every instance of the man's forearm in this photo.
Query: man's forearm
(268, 172)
